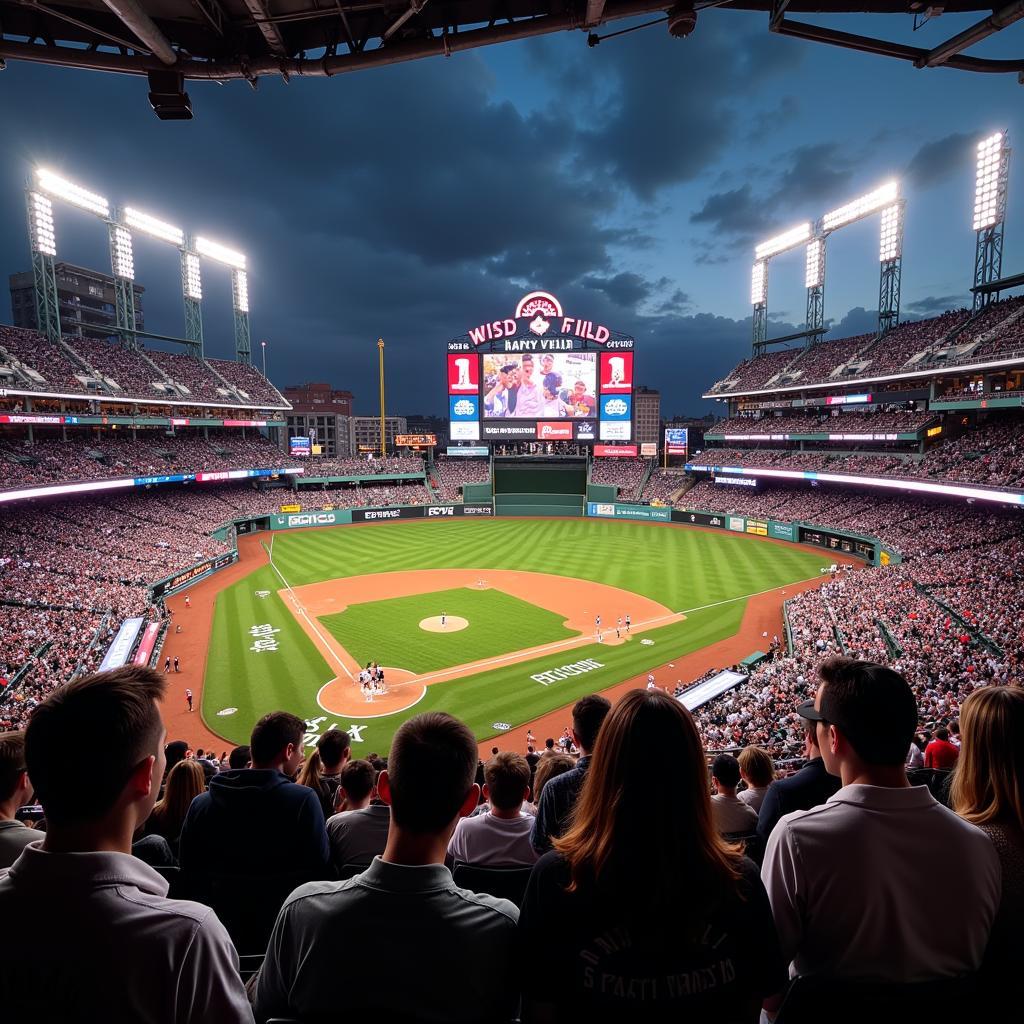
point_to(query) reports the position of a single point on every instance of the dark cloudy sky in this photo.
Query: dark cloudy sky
(631, 179)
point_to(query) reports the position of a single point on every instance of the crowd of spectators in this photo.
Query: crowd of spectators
(885, 422)
(247, 381)
(623, 473)
(819, 361)
(755, 373)
(662, 485)
(375, 466)
(450, 474)
(56, 368)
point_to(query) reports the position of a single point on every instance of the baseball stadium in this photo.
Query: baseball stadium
(572, 706)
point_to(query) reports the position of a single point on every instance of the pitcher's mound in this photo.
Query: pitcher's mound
(452, 624)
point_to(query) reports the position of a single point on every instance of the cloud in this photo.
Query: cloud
(933, 305)
(737, 213)
(940, 159)
(626, 289)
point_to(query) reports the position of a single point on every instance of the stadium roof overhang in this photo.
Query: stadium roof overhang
(172, 41)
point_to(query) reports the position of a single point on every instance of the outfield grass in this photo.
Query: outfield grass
(706, 575)
(389, 633)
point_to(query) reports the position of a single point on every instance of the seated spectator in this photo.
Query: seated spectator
(729, 813)
(449, 951)
(268, 823)
(548, 769)
(560, 793)
(758, 771)
(359, 832)
(184, 783)
(549, 749)
(988, 791)
(940, 753)
(501, 837)
(855, 884)
(239, 758)
(322, 770)
(616, 920)
(15, 790)
(915, 755)
(810, 786)
(122, 951)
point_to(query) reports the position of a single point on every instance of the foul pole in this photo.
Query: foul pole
(380, 349)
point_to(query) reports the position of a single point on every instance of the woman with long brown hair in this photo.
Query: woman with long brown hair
(322, 770)
(988, 791)
(642, 911)
(185, 781)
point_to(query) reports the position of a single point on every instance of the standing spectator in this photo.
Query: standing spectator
(729, 813)
(810, 786)
(239, 758)
(14, 792)
(322, 770)
(270, 824)
(174, 961)
(758, 771)
(856, 884)
(359, 832)
(988, 791)
(185, 782)
(617, 919)
(501, 837)
(560, 793)
(454, 947)
(940, 753)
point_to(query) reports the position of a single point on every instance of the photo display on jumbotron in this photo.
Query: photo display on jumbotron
(540, 376)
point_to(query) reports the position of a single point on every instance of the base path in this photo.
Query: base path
(579, 602)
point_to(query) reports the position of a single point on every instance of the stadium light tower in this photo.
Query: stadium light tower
(122, 263)
(814, 279)
(239, 292)
(993, 165)
(192, 294)
(759, 276)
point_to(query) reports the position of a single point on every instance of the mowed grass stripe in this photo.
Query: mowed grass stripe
(679, 568)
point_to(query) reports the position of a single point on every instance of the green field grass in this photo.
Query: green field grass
(381, 631)
(706, 575)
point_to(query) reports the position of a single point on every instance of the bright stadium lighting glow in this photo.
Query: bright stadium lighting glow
(148, 225)
(815, 263)
(877, 200)
(759, 284)
(121, 251)
(787, 240)
(193, 278)
(220, 253)
(60, 188)
(41, 224)
(241, 283)
(891, 241)
(990, 182)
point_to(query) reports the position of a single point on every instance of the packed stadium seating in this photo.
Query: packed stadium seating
(899, 421)
(452, 473)
(623, 473)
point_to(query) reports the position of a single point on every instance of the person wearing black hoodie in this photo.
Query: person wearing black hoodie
(257, 817)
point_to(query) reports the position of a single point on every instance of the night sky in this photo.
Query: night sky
(631, 179)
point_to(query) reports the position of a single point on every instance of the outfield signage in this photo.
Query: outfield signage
(377, 515)
(700, 519)
(296, 519)
(615, 450)
(196, 572)
(468, 451)
(122, 644)
(147, 644)
(781, 531)
(616, 510)
(576, 668)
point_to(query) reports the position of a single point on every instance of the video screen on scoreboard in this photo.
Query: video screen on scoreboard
(546, 386)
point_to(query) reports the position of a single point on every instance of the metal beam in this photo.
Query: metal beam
(271, 33)
(134, 17)
(975, 34)
(595, 13)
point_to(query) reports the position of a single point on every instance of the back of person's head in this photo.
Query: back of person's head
(726, 770)
(333, 747)
(549, 768)
(174, 752)
(507, 776)
(872, 706)
(272, 733)
(12, 763)
(239, 758)
(185, 781)
(942, 733)
(85, 740)
(988, 781)
(757, 766)
(431, 766)
(642, 831)
(358, 779)
(549, 743)
(588, 713)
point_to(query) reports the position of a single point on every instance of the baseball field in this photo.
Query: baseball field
(498, 622)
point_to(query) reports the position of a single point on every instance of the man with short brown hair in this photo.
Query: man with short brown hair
(500, 838)
(14, 792)
(120, 950)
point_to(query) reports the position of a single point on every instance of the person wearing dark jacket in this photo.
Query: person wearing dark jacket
(810, 786)
(257, 817)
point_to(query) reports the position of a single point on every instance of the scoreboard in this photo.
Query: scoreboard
(540, 376)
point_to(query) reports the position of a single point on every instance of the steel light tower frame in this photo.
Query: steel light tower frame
(43, 244)
(122, 264)
(992, 175)
(763, 253)
(192, 297)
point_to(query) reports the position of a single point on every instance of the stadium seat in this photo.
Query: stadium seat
(505, 883)
(847, 1001)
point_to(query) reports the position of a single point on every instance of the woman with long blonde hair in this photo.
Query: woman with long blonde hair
(988, 790)
(185, 781)
(642, 911)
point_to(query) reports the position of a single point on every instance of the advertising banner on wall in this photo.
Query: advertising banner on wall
(292, 521)
(299, 447)
(781, 531)
(648, 448)
(121, 645)
(616, 373)
(676, 440)
(700, 519)
(615, 451)
(479, 451)
(196, 572)
(614, 510)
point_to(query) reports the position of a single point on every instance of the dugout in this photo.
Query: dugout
(539, 486)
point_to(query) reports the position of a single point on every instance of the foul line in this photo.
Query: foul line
(302, 611)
